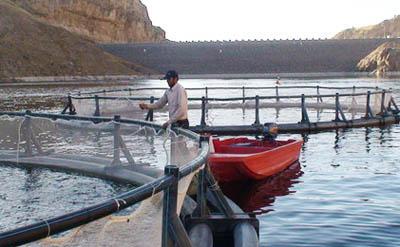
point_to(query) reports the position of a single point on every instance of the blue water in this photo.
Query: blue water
(345, 192)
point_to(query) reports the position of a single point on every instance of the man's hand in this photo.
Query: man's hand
(165, 125)
(143, 106)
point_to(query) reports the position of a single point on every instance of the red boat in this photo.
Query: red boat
(243, 158)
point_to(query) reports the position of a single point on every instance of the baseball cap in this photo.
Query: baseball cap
(170, 74)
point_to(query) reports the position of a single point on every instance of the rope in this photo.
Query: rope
(48, 228)
(118, 204)
(214, 187)
(166, 137)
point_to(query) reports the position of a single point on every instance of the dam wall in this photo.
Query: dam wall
(249, 57)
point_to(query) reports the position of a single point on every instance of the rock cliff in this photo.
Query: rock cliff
(31, 47)
(386, 29)
(103, 21)
(385, 58)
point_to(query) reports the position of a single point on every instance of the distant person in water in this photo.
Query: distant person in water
(177, 100)
(278, 80)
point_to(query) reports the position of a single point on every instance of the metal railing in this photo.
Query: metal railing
(207, 89)
(205, 100)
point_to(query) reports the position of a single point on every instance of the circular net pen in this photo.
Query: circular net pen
(118, 149)
(214, 109)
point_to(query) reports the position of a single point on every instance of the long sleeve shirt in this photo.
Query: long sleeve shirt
(176, 97)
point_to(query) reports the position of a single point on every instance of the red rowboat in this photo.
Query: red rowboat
(243, 158)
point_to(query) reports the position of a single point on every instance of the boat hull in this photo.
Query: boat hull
(232, 162)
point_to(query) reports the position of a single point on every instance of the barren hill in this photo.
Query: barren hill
(31, 47)
(384, 58)
(110, 21)
(386, 29)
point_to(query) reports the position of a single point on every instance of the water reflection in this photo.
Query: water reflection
(319, 112)
(341, 135)
(305, 137)
(336, 145)
(367, 139)
(277, 113)
(257, 196)
(32, 180)
(384, 132)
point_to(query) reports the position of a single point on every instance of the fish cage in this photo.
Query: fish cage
(179, 200)
(314, 107)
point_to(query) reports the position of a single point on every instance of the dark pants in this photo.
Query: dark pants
(184, 124)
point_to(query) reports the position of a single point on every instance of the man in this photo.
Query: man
(176, 97)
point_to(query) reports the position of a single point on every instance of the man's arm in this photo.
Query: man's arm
(159, 104)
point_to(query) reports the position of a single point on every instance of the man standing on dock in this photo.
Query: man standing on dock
(177, 100)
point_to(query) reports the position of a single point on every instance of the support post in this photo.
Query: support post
(125, 151)
(368, 111)
(337, 119)
(150, 113)
(203, 112)
(97, 111)
(319, 98)
(116, 141)
(393, 103)
(173, 231)
(69, 106)
(243, 94)
(257, 107)
(304, 114)
(277, 93)
(338, 110)
(201, 193)
(353, 98)
(206, 100)
(119, 144)
(383, 112)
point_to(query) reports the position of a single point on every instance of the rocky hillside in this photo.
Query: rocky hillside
(104, 21)
(388, 28)
(31, 47)
(385, 58)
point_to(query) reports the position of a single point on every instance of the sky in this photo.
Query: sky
(194, 20)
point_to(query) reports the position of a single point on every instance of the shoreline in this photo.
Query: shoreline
(128, 79)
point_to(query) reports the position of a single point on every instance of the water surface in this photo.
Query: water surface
(344, 192)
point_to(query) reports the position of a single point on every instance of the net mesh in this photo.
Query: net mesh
(272, 109)
(61, 143)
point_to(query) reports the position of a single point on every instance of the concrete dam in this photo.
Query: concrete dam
(249, 57)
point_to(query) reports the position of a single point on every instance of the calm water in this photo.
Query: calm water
(31, 195)
(344, 192)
